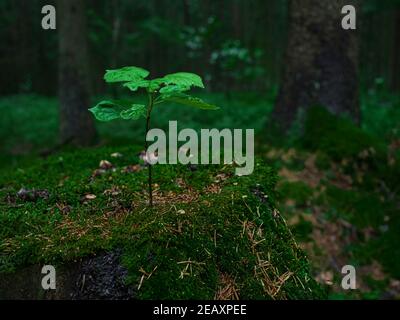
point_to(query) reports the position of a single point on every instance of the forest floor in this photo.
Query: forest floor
(338, 184)
(339, 223)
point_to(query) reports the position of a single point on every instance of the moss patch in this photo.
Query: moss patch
(207, 226)
(337, 137)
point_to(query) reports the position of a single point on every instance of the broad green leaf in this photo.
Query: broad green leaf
(134, 112)
(155, 84)
(184, 79)
(125, 74)
(151, 85)
(109, 109)
(134, 85)
(173, 89)
(187, 100)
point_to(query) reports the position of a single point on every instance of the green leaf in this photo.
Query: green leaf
(108, 110)
(155, 84)
(134, 85)
(175, 83)
(187, 100)
(125, 74)
(151, 85)
(134, 113)
(183, 79)
(173, 89)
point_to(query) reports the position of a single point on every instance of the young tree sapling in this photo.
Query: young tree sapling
(170, 88)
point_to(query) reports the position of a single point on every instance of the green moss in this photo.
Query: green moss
(322, 161)
(358, 207)
(297, 191)
(384, 248)
(302, 230)
(211, 230)
(337, 137)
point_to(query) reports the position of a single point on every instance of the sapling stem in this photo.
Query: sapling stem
(148, 116)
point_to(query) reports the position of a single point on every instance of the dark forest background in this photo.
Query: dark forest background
(227, 41)
(324, 103)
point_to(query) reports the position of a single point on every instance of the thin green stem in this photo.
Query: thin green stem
(148, 117)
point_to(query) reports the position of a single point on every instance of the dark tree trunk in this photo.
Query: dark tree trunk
(116, 30)
(76, 123)
(321, 62)
(236, 19)
(395, 81)
(187, 21)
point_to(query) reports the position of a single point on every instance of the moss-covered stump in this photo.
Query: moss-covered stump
(210, 234)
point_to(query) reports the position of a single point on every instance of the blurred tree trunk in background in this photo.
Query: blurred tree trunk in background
(236, 19)
(395, 81)
(186, 13)
(76, 123)
(321, 62)
(116, 30)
